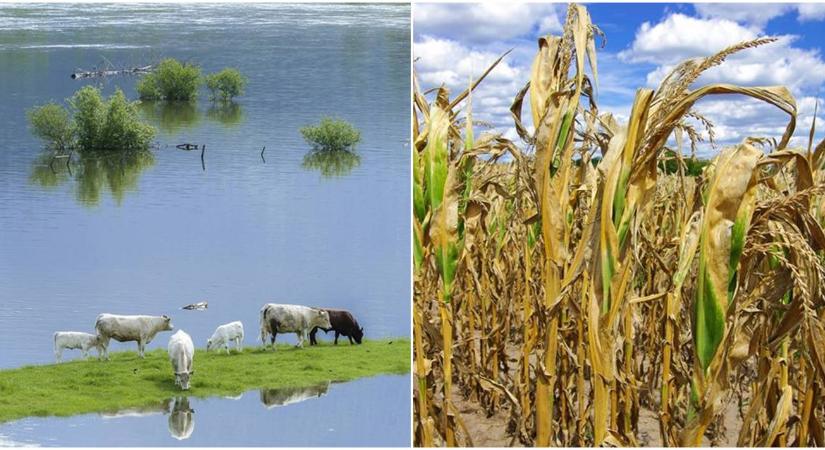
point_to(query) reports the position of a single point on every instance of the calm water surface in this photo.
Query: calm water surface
(324, 415)
(147, 235)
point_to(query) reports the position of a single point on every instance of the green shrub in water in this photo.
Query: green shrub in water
(51, 123)
(331, 134)
(92, 124)
(226, 84)
(171, 80)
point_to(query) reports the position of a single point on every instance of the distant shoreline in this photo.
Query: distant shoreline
(92, 386)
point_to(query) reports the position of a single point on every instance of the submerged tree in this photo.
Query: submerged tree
(226, 84)
(171, 80)
(331, 134)
(92, 123)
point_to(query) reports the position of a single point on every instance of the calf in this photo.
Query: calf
(343, 323)
(225, 334)
(296, 319)
(181, 354)
(74, 340)
(141, 329)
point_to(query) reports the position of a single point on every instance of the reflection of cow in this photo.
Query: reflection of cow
(182, 419)
(286, 396)
(142, 411)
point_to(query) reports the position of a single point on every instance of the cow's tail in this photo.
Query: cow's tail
(97, 324)
(263, 324)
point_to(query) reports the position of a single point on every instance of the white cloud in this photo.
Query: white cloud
(736, 118)
(757, 15)
(485, 22)
(679, 37)
(761, 14)
(444, 61)
(811, 11)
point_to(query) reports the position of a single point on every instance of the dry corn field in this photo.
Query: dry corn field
(566, 283)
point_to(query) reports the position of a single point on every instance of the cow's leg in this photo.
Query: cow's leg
(104, 348)
(274, 333)
(84, 353)
(226, 346)
(336, 336)
(240, 345)
(350, 340)
(301, 335)
(141, 346)
(58, 354)
(312, 340)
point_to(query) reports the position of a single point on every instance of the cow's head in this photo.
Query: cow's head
(358, 335)
(167, 322)
(321, 318)
(208, 344)
(182, 379)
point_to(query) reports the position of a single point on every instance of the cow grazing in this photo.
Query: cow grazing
(74, 340)
(181, 354)
(182, 419)
(291, 319)
(225, 334)
(141, 329)
(343, 323)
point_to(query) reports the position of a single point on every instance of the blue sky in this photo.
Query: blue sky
(643, 41)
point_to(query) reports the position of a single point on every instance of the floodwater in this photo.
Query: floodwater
(147, 234)
(324, 415)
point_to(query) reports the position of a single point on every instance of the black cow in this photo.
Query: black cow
(343, 323)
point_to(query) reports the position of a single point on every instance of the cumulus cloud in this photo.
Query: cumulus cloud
(759, 15)
(736, 118)
(679, 37)
(446, 56)
(444, 61)
(485, 22)
(811, 11)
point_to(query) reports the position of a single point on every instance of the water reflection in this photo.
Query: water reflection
(182, 419)
(171, 117)
(272, 398)
(141, 411)
(117, 173)
(331, 163)
(228, 114)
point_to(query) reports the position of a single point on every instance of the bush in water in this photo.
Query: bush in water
(331, 134)
(51, 123)
(171, 80)
(226, 84)
(93, 124)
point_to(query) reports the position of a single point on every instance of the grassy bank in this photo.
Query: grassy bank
(125, 381)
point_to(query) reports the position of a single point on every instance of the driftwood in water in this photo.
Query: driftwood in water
(107, 73)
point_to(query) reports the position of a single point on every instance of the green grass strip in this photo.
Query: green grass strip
(92, 386)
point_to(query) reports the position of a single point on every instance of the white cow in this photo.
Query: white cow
(74, 340)
(296, 319)
(141, 329)
(181, 354)
(224, 334)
